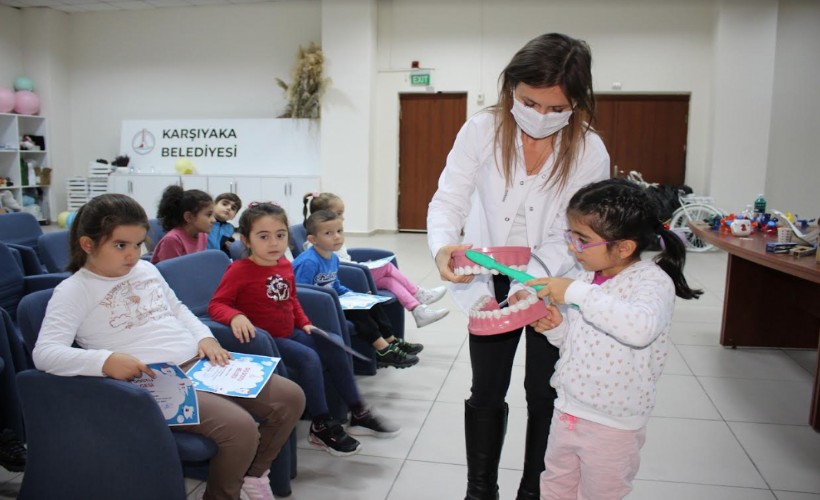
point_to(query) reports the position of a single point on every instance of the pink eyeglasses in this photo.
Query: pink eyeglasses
(580, 247)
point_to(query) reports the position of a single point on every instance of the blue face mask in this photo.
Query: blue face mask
(536, 125)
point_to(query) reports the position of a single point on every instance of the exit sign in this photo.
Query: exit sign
(422, 79)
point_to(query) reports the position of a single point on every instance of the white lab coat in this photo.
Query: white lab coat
(472, 195)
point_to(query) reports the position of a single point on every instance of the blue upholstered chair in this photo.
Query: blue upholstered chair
(12, 354)
(155, 233)
(128, 449)
(194, 279)
(14, 285)
(20, 230)
(52, 248)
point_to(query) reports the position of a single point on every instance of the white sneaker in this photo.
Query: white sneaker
(425, 315)
(429, 295)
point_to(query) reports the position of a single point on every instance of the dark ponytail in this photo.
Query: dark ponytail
(176, 201)
(617, 209)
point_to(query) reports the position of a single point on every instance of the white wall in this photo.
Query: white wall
(349, 46)
(11, 46)
(185, 63)
(647, 45)
(793, 175)
(742, 102)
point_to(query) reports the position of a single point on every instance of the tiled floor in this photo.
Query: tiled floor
(729, 424)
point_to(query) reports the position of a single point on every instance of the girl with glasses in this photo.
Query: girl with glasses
(614, 341)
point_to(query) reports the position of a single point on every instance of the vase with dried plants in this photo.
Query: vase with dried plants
(304, 94)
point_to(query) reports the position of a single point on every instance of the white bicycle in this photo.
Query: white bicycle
(692, 208)
(697, 209)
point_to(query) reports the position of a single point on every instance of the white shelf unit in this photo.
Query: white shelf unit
(13, 160)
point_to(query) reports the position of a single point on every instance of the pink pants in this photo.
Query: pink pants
(589, 461)
(390, 278)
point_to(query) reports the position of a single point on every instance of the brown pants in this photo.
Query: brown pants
(245, 447)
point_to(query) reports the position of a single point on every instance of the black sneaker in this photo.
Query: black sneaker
(368, 424)
(408, 347)
(12, 452)
(392, 355)
(331, 437)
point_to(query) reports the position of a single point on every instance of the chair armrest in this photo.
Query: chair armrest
(31, 262)
(363, 254)
(43, 281)
(96, 431)
(321, 304)
(357, 277)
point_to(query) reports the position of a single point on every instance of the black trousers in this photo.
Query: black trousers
(371, 323)
(492, 356)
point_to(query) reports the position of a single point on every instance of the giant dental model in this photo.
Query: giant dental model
(486, 316)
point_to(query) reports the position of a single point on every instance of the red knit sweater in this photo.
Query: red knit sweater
(265, 294)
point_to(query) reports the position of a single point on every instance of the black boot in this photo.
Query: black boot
(484, 430)
(538, 430)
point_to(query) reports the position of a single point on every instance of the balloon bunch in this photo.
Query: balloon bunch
(22, 100)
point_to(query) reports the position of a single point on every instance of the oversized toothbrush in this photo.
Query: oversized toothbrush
(490, 263)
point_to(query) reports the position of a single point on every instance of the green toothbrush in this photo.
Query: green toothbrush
(490, 263)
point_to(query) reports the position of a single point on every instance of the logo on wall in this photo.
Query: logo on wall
(143, 142)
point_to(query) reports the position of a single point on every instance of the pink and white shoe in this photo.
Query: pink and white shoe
(256, 488)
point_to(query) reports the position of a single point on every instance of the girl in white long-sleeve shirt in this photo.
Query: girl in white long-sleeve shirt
(613, 342)
(123, 315)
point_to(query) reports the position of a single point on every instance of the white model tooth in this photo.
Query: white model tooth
(497, 314)
(506, 311)
(532, 299)
(457, 271)
(483, 314)
(494, 271)
(476, 269)
(515, 307)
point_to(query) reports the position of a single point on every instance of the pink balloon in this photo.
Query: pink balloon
(6, 100)
(26, 103)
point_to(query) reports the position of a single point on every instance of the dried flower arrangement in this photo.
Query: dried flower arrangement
(305, 93)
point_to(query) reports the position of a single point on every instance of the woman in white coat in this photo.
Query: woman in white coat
(507, 182)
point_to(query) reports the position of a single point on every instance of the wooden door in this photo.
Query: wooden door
(646, 133)
(428, 126)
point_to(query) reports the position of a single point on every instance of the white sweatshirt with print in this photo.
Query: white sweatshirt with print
(136, 314)
(613, 349)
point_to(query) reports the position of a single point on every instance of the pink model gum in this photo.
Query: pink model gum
(514, 257)
(486, 318)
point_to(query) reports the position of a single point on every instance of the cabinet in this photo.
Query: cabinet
(32, 192)
(286, 191)
(145, 188)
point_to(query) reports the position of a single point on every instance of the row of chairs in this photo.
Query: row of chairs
(96, 434)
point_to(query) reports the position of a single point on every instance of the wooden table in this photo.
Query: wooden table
(771, 300)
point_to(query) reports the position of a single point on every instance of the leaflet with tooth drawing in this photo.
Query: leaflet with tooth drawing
(243, 377)
(174, 393)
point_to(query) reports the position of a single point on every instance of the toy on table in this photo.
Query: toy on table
(486, 316)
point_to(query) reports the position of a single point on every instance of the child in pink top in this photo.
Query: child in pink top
(187, 217)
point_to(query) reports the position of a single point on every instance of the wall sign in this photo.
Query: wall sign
(234, 146)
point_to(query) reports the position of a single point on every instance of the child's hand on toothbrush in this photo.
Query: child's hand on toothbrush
(554, 288)
(550, 321)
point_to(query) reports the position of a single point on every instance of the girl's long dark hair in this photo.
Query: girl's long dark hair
(617, 209)
(176, 201)
(548, 60)
(97, 220)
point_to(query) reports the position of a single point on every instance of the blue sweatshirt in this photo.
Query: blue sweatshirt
(313, 269)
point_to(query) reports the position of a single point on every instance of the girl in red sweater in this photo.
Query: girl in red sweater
(260, 291)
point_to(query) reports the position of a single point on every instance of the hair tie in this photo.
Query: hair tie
(661, 242)
(316, 194)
